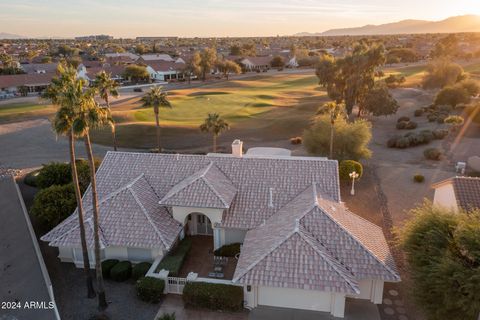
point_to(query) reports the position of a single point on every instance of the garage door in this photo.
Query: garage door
(294, 298)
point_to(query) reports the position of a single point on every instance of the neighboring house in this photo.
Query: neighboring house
(89, 73)
(23, 274)
(129, 55)
(33, 83)
(165, 70)
(256, 63)
(458, 193)
(33, 68)
(302, 248)
(155, 57)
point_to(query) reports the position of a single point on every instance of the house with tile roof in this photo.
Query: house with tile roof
(302, 247)
(458, 193)
(161, 70)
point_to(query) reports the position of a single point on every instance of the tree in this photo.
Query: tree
(378, 102)
(90, 115)
(107, 87)
(136, 72)
(216, 125)
(351, 138)
(441, 73)
(350, 78)
(156, 99)
(54, 204)
(393, 81)
(190, 68)
(401, 55)
(447, 47)
(454, 122)
(442, 250)
(63, 92)
(140, 49)
(207, 60)
(227, 66)
(235, 50)
(472, 87)
(277, 62)
(452, 96)
(334, 110)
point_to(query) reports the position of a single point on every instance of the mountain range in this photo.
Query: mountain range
(466, 23)
(4, 35)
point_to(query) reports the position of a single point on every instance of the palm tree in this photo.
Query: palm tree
(59, 92)
(107, 87)
(334, 110)
(90, 116)
(156, 99)
(216, 125)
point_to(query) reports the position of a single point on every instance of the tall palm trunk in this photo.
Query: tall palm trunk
(102, 300)
(332, 129)
(78, 196)
(157, 122)
(214, 143)
(114, 133)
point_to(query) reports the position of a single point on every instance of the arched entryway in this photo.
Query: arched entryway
(197, 223)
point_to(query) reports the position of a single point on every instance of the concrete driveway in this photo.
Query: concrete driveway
(354, 310)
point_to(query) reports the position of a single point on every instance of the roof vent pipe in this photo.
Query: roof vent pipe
(270, 199)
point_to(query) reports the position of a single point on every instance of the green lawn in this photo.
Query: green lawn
(21, 110)
(237, 101)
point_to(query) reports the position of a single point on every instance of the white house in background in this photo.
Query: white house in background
(302, 248)
(256, 63)
(165, 70)
(458, 193)
(156, 57)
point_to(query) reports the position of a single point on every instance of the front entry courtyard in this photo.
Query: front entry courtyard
(200, 259)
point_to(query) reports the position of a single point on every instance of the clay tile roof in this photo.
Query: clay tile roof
(129, 217)
(348, 248)
(207, 188)
(467, 192)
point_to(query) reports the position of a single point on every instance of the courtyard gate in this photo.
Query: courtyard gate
(175, 285)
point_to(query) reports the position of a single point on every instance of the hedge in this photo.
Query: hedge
(418, 178)
(121, 271)
(140, 270)
(150, 289)
(173, 261)
(54, 204)
(107, 266)
(228, 250)
(213, 296)
(55, 173)
(31, 178)
(347, 166)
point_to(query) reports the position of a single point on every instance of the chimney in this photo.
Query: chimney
(237, 148)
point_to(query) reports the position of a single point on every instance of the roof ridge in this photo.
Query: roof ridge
(210, 186)
(330, 260)
(149, 219)
(360, 243)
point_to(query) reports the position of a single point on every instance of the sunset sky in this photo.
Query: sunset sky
(122, 18)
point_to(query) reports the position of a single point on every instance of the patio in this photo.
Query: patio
(200, 259)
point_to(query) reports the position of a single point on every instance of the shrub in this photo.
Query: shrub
(403, 143)
(401, 125)
(411, 125)
(173, 261)
(228, 250)
(427, 135)
(121, 271)
(418, 178)
(441, 118)
(213, 296)
(347, 166)
(351, 139)
(53, 204)
(392, 142)
(401, 119)
(439, 133)
(107, 266)
(296, 140)
(432, 118)
(150, 289)
(167, 316)
(31, 178)
(55, 173)
(432, 154)
(140, 270)
(418, 112)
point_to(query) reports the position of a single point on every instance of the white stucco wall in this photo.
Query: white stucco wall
(302, 299)
(181, 213)
(370, 290)
(232, 236)
(445, 196)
